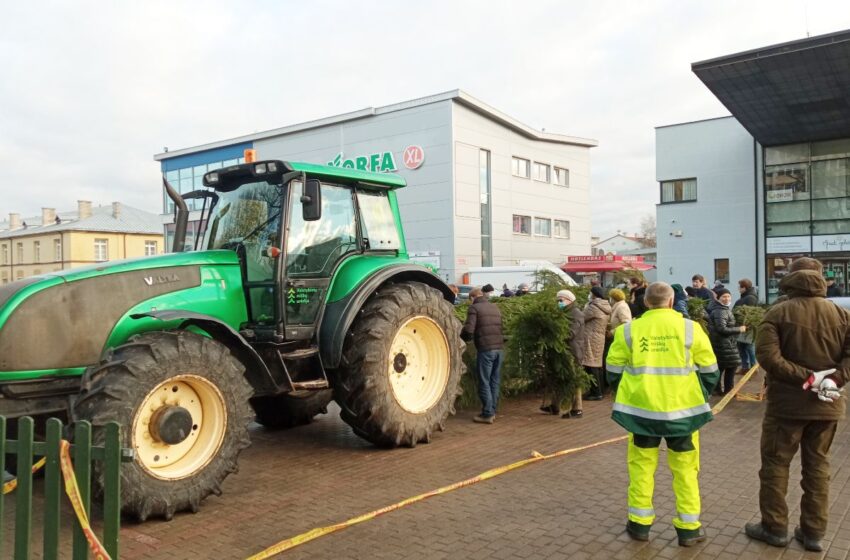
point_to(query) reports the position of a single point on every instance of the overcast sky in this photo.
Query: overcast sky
(91, 90)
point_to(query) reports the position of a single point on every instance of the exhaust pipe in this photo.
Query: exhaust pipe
(182, 216)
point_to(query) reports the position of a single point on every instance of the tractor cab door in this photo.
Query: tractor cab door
(313, 250)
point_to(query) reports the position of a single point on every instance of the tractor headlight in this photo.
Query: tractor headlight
(260, 169)
(272, 167)
(211, 178)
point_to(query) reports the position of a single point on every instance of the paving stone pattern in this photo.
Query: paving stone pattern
(570, 507)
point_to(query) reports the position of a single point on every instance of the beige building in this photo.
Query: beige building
(59, 241)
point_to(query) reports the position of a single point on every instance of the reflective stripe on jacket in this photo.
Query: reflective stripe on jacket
(663, 370)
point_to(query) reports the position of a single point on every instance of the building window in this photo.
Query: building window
(682, 190)
(786, 183)
(19, 274)
(721, 270)
(57, 250)
(150, 248)
(484, 188)
(20, 253)
(562, 177)
(36, 251)
(522, 224)
(101, 249)
(541, 172)
(543, 227)
(562, 229)
(191, 178)
(520, 167)
(5, 250)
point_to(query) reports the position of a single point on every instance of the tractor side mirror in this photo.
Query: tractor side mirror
(311, 201)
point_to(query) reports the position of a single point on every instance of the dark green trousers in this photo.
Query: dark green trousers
(780, 439)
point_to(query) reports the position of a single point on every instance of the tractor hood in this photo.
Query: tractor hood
(63, 319)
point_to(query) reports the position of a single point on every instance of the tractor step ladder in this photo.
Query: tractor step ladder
(296, 360)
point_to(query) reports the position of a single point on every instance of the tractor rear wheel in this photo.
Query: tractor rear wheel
(292, 409)
(401, 366)
(182, 403)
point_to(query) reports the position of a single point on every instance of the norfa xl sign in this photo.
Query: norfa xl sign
(381, 162)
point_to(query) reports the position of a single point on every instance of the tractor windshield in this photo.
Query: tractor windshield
(247, 220)
(247, 215)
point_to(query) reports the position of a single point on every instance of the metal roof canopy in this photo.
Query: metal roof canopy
(788, 93)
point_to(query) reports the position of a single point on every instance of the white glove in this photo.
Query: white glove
(828, 391)
(816, 378)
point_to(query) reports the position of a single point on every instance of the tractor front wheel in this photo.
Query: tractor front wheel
(182, 403)
(401, 366)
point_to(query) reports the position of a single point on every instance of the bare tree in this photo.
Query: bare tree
(647, 230)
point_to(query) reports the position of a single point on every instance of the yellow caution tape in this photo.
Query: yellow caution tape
(718, 408)
(287, 544)
(12, 484)
(73, 492)
(536, 456)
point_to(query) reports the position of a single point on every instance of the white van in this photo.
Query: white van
(513, 276)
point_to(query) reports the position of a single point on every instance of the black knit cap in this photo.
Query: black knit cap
(722, 291)
(488, 288)
(597, 291)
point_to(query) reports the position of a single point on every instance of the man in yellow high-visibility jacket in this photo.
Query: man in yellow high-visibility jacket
(663, 370)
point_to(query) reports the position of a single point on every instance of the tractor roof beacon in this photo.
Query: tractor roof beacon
(298, 291)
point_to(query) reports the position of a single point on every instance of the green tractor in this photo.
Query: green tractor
(299, 292)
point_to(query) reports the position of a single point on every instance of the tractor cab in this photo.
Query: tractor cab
(291, 230)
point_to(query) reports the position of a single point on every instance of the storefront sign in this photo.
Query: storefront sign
(380, 162)
(780, 195)
(796, 244)
(829, 243)
(606, 258)
(413, 157)
(431, 259)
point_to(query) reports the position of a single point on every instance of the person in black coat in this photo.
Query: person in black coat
(832, 289)
(746, 347)
(484, 326)
(637, 289)
(700, 289)
(723, 334)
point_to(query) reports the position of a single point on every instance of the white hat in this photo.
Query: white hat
(566, 294)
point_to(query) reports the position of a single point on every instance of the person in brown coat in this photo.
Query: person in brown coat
(595, 325)
(804, 347)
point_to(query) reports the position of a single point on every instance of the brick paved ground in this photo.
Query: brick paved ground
(570, 507)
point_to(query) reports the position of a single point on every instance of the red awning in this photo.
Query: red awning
(610, 266)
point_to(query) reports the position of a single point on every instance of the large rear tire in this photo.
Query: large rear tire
(182, 403)
(293, 409)
(401, 365)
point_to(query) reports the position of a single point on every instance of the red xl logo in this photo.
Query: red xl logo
(413, 157)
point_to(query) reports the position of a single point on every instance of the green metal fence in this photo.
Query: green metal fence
(25, 449)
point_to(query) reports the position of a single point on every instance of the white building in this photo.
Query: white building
(743, 196)
(483, 188)
(617, 244)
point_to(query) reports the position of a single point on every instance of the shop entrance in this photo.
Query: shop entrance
(839, 268)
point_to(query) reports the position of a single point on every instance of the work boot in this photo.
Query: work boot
(551, 409)
(637, 531)
(690, 537)
(815, 545)
(484, 419)
(758, 532)
(573, 414)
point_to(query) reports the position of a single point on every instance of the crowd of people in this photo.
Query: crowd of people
(661, 368)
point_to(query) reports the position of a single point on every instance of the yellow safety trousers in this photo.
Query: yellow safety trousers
(685, 468)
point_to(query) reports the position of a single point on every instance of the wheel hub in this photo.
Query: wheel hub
(419, 364)
(399, 362)
(171, 424)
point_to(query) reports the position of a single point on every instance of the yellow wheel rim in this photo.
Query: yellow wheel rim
(419, 364)
(204, 403)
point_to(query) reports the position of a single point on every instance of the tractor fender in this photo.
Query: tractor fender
(339, 315)
(256, 371)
